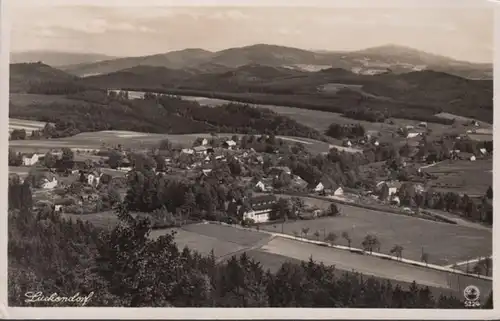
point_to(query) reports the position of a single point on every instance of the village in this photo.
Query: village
(89, 175)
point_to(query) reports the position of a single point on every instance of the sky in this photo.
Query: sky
(460, 33)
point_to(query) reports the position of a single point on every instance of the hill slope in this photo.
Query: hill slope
(369, 61)
(24, 75)
(56, 58)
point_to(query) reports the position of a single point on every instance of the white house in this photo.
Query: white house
(49, 184)
(30, 159)
(260, 207)
(319, 187)
(412, 135)
(339, 191)
(229, 144)
(58, 208)
(472, 158)
(483, 151)
(376, 143)
(204, 142)
(188, 151)
(260, 186)
(93, 179)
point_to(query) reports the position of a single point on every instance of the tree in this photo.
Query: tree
(333, 210)
(298, 206)
(331, 238)
(317, 234)
(489, 193)
(370, 243)
(66, 161)
(18, 134)
(347, 237)
(397, 250)
(114, 159)
(425, 258)
(384, 192)
(305, 230)
(49, 160)
(15, 159)
(166, 145)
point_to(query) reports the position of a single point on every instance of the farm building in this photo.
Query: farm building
(260, 207)
(200, 150)
(392, 186)
(327, 186)
(412, 134)
(30, 159)
(49, 182)
(261, 187)
(229, 144)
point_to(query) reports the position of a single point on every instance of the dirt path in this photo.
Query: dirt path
(256, 246)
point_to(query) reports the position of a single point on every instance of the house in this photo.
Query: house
(204, 142)
(412, 134)
(200, 150)
(324, 186)
(483, 151)
(391, 185)
(30, 159)
(422, 124)
(229, 144)
(187, 151)
(259, 208)
(261, 187)
(376, 143)
(347, 143)
(339, 191)
(206, 171)
(93, 178)
(49, 182)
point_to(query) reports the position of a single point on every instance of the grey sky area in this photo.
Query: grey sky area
(464, 34)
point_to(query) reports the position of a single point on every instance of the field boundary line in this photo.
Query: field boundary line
(469, 261)
(361, 251)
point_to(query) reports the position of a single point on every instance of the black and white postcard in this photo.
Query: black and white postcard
(311, 159)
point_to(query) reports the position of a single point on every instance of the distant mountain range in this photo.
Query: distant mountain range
(412, 94)
(397, 59)
(56, 58)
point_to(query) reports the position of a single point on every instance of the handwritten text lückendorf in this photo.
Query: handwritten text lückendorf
(78, 299)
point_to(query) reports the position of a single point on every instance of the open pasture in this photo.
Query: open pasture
(462, 119)
(369, 265)
(27, 125)
(22, 100)
(463, 176)
(138, 140)
(444, 243)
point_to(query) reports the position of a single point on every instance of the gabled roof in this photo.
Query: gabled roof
(259, 203)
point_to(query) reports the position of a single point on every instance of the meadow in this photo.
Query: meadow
(444, 243)
(462, 176)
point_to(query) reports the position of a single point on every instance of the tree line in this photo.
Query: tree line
(125, 267)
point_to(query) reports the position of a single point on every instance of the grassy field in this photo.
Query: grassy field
(27, 125)
(463, 176)
(271, 252)
(445, 243)
(461, 118)
(19, 99)
(369, 265)
(128, 139)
